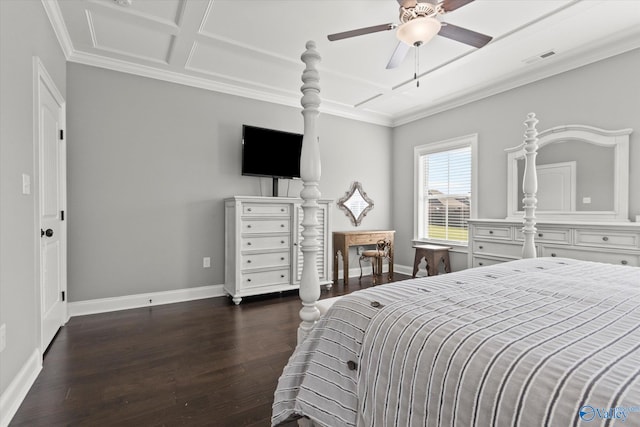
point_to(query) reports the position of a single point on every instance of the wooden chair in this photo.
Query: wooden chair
(375, 256)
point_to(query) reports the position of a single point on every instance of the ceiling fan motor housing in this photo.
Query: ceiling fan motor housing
(420, 10)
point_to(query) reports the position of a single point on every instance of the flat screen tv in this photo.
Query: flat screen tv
(270, 153)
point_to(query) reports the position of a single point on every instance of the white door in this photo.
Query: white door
(52, 192)
(557, 187)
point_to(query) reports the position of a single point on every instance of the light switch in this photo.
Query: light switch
(3, 337)
(26, 184)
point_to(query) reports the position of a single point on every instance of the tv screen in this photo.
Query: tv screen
(272, 153)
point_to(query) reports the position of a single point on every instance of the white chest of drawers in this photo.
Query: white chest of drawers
(262, 245)
(495, 241)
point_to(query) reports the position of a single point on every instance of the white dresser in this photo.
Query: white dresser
(495, 241)
(262, 245)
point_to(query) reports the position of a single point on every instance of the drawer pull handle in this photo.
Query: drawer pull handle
(248, 243)
(540, 234)
(248, 209)
(490, 231)
(249, 226)
(624, 262)
(282, 276)
(282, 225)
(553, 254)
(248, 261)
(282, 210)
(481, 263)
(605, 238)
(480, 247)
(282, 242)
(281, 258)
(248, 280)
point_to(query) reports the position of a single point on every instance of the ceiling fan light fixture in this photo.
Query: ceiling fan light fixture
(418, 31)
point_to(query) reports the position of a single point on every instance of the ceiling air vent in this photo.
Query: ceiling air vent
(539, 56)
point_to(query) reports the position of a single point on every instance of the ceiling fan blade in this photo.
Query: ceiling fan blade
(449, 5)
(398, 55)
(464, 35)
(360, 31)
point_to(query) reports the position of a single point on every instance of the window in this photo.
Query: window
(445, 189)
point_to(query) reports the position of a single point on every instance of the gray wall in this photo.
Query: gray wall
(24, 32)
(150, 162)
(604, 94)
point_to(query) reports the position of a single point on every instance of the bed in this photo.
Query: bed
(532, 342)
(529, 342)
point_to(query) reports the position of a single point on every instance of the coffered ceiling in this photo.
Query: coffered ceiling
(252, 48)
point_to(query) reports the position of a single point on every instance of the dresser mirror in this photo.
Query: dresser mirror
(582, 173)
(355, 203)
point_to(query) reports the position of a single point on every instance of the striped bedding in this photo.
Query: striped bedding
(537, 342)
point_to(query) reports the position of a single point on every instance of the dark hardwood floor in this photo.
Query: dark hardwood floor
(199, 363)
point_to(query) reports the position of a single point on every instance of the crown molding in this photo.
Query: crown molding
(289, 100)
(619, 44)
(54, 14)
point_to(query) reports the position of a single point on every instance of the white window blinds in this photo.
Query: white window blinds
(446, 194)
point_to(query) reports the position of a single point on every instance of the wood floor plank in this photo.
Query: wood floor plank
(198, 363)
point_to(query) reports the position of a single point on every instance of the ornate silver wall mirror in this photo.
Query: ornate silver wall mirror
(355, 203)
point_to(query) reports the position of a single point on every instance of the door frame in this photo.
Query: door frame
(41, 76)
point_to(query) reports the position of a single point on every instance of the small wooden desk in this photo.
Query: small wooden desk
(343, 239)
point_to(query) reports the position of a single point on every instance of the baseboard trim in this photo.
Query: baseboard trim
(12, 397)
(104, 305)
(397, 268)
(403, 269)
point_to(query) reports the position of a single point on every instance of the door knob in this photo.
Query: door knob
(49, 232)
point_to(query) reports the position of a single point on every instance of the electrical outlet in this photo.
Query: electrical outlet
(206, 262)
(3, 337)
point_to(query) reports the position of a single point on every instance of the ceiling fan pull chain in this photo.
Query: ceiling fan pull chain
(417, 65)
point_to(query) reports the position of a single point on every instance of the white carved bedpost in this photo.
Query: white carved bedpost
(530, 186)
(310, 174)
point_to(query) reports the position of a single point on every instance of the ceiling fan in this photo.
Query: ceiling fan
(420, 21)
